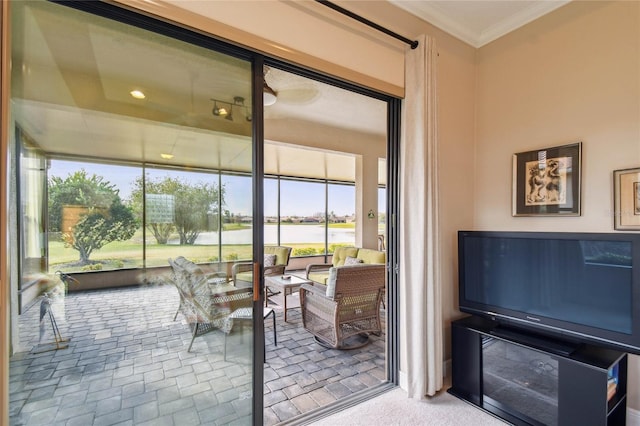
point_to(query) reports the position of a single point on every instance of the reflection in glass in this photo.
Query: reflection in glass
(32, 217)
(92, 226)
(522, 379)
(111, 186)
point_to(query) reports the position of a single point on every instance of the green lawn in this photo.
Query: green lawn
(129, 254)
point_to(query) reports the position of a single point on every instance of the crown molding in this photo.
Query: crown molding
(518, 20)
(439, 17)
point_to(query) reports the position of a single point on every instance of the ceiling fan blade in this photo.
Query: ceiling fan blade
(302, 95)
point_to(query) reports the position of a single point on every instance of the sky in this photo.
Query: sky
(297, 198)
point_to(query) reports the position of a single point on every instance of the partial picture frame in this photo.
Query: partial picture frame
(626, 199)
(547, 182)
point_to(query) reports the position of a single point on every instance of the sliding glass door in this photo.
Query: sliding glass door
(131, 145)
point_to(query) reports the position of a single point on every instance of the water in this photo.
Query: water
(289, 234)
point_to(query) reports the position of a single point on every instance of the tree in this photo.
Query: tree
(77, 189)
(192, 205)
(96, 229)
(106, 218)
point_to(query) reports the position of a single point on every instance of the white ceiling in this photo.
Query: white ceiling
(479, 22)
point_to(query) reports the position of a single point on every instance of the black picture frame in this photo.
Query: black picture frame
(626, 199)
(547, 182)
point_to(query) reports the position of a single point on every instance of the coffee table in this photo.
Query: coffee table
(285, 285)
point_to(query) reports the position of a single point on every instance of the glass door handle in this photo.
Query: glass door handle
(256, 281)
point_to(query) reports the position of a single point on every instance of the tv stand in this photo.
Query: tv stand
(529, 379)
(547, 344)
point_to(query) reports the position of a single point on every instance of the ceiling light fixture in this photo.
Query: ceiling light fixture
(227, 112)
(138, 94)
(219, 111)
(169, 155)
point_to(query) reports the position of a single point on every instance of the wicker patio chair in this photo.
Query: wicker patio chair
(206, 307)
(343, 313)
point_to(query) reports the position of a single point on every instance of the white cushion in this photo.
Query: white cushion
(269, 260)
(352, 261)
(331, 283)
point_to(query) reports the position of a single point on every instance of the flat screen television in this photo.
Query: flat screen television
(579, 287)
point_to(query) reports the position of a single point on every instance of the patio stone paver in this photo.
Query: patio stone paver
(127, 364)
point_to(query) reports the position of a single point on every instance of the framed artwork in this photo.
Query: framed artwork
(546, 182)
(626, 199)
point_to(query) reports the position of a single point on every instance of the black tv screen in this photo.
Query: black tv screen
(579, 286)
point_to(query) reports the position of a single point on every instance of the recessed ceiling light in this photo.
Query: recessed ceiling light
(166, 156)
(138, 94)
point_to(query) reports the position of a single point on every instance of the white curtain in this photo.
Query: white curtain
(420, 294)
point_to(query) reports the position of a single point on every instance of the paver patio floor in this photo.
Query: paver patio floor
(127, 363)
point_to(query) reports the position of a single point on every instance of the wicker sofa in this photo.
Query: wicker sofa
(319, 272)
(242, 273)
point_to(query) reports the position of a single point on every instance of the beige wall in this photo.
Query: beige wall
(571, 76)
(456, 89)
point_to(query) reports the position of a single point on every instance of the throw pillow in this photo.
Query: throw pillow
(269, 260)
(331, 283)
(352, 261)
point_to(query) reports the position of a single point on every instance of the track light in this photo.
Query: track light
(138, 94)
(217, 111)
(226, 108)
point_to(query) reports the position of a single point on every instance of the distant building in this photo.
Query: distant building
(310, 219)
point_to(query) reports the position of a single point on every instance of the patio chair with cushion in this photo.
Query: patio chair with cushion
(206, 306)
(319, 272)
(276, 259)
(342, 313)
(185, 271)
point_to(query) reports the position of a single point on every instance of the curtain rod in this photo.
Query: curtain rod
(412, 43)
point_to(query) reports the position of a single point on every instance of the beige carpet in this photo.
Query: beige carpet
(394, 408)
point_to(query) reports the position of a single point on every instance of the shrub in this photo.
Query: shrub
(92, 267)
(304, 251)
(231, 256)
(333, 247)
